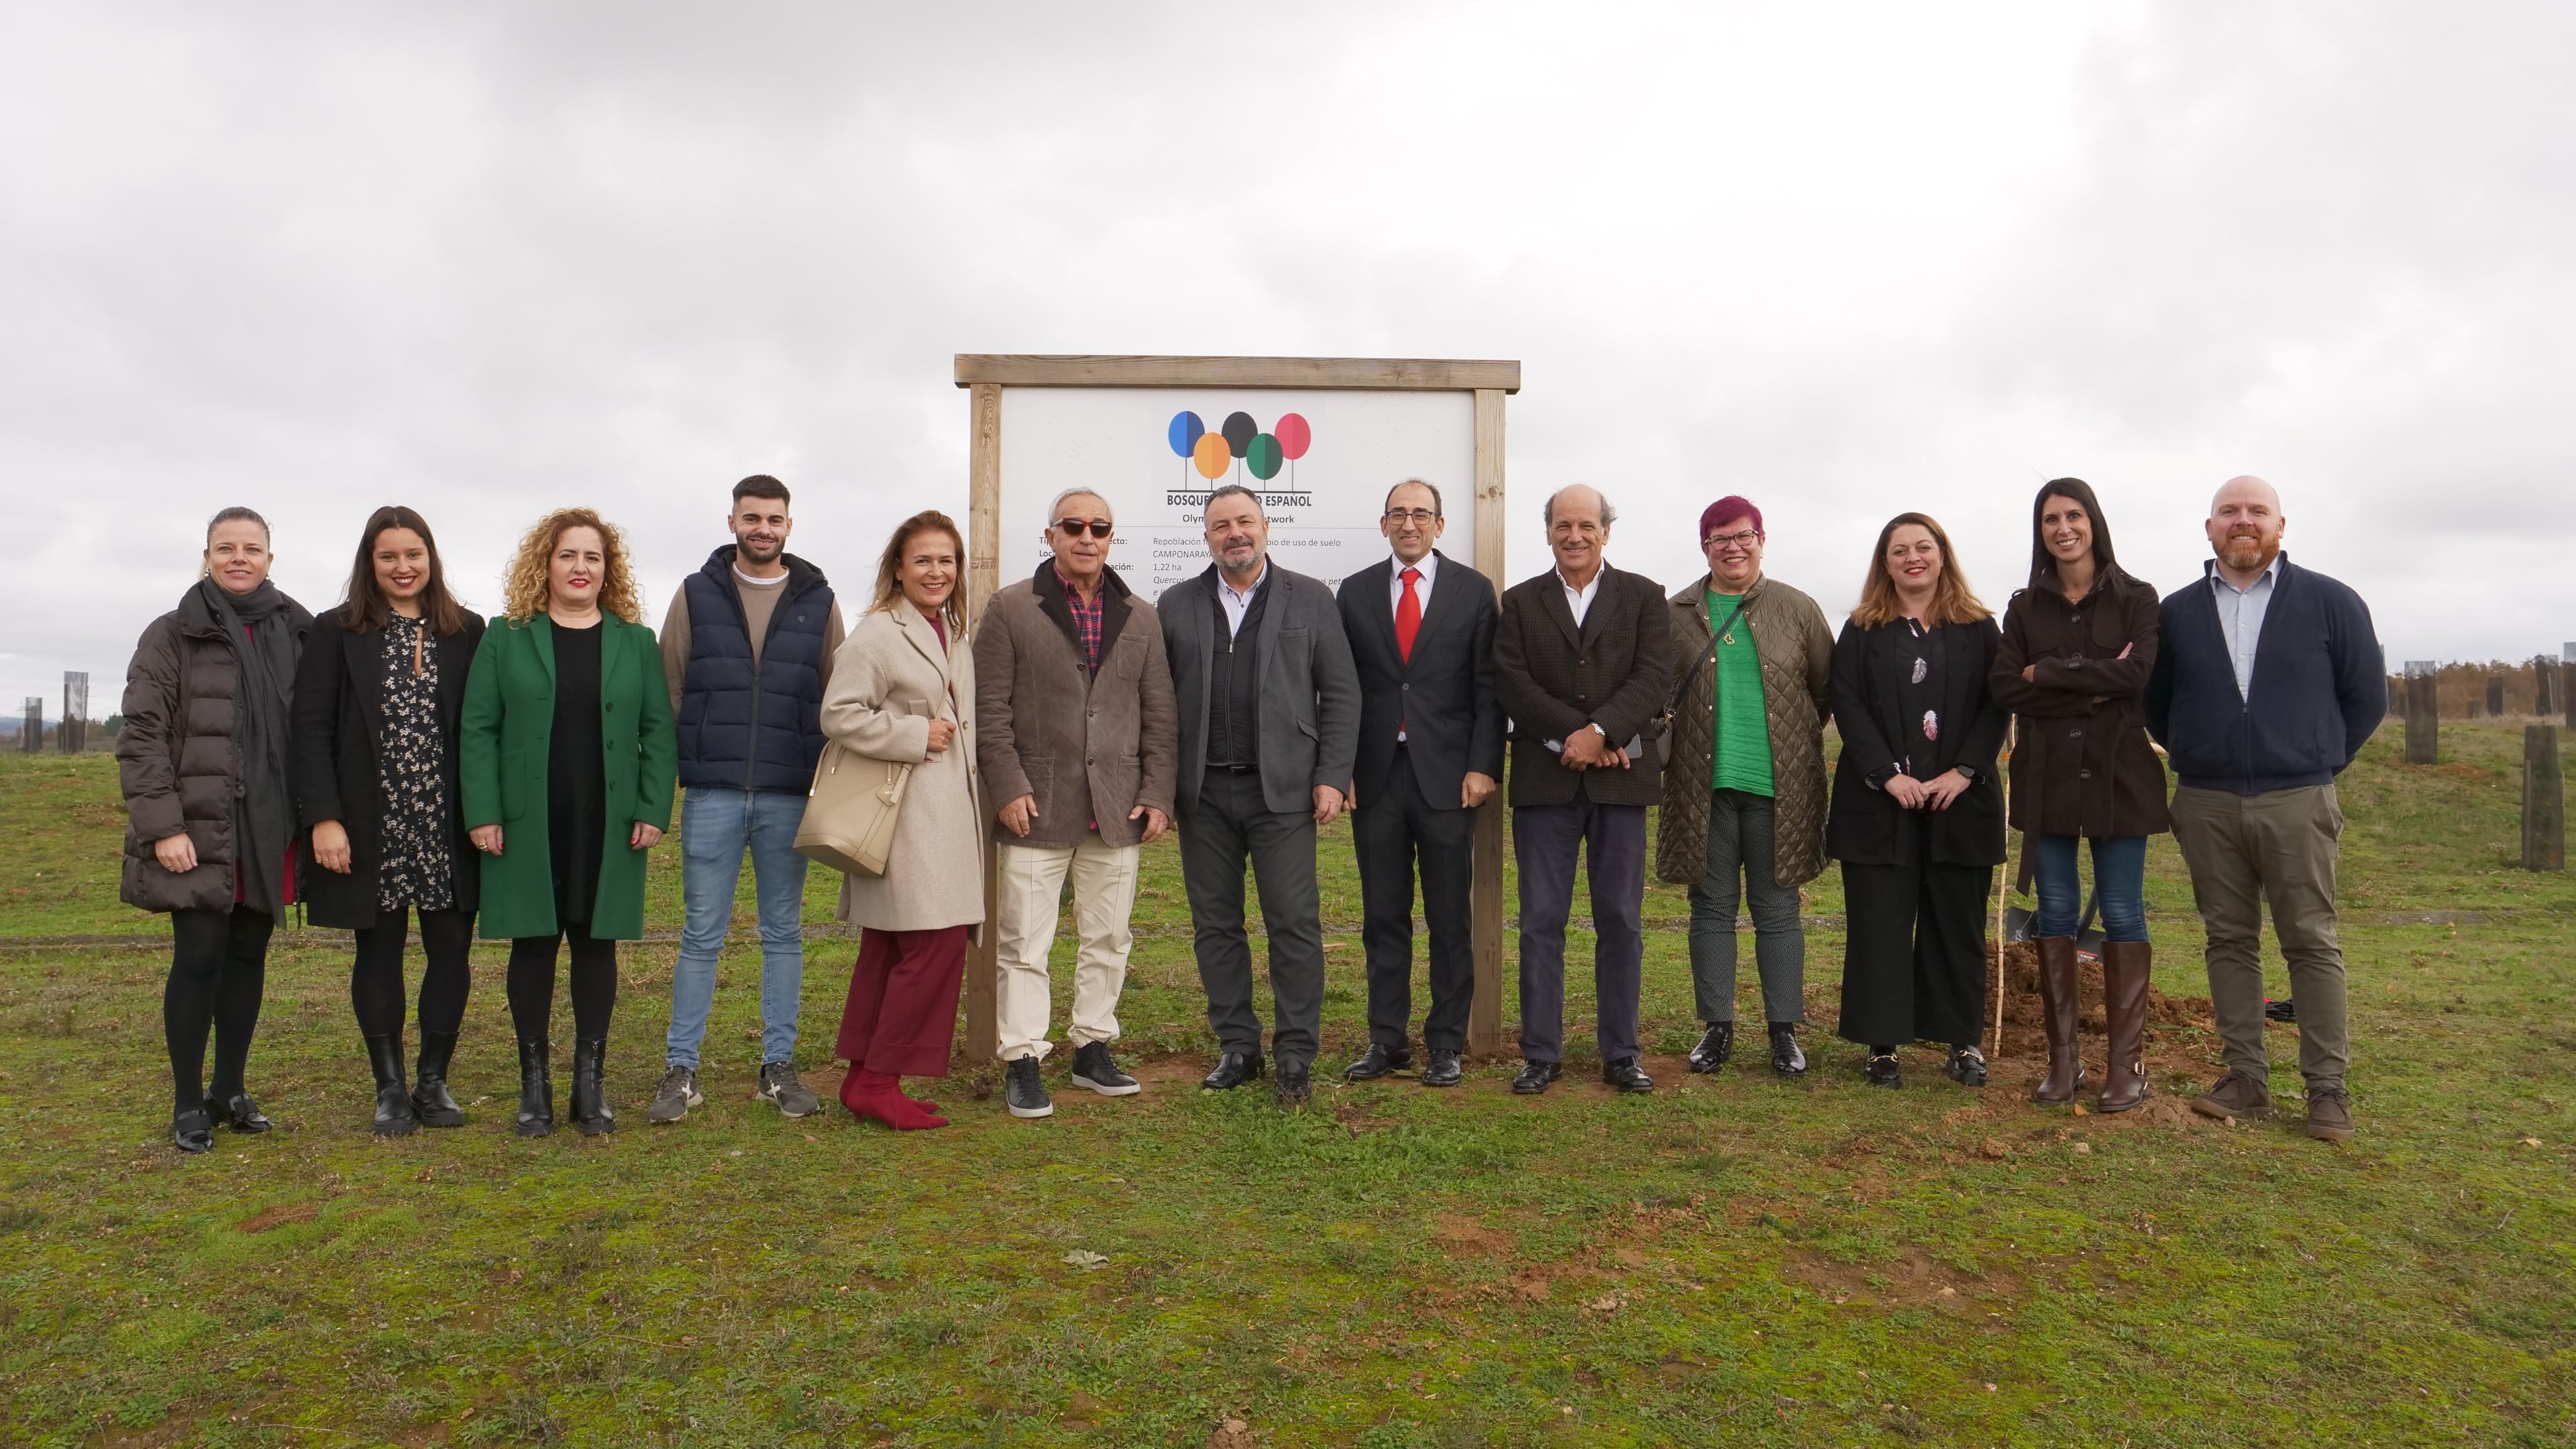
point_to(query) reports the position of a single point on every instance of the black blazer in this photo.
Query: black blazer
(1444, 696)
(1552, 680)
(1870, 665)
(1310, 698)
(339, 710)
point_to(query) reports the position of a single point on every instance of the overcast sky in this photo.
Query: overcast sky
(1846, 260)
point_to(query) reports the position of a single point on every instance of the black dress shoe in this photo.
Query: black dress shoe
(1967, 1066)
(1881, 1070)
(1536, 1077)
(1232, 1070)
(1627, 1076)
(1442, 1069)
(1786, 1058)
(1294, 1085)
(238, 1112)
(1715, 1046)
(193, 1131)
(1377, 1061)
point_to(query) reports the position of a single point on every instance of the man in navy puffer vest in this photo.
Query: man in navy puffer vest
(748, 649)
(2268, 680)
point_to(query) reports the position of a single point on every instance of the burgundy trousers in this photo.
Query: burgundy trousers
(902, 1011)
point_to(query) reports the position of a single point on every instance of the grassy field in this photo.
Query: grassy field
(1731, 1260)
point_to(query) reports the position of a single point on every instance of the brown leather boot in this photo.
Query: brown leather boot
(2124, 989)
(2057, 1009)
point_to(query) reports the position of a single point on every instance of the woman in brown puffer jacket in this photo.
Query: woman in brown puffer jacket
(2078, 647)
(210, 819)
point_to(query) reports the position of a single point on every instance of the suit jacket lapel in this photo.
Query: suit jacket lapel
(1274, 583)
(1446, 600)
(1552, 599)
(542, 630)
(1374, 581)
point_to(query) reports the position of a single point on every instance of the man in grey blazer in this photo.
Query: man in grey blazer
(1269, 710)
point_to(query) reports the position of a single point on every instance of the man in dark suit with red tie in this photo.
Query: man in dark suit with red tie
(1421, 629)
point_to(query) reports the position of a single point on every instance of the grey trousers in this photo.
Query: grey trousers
(1229, 826)
(1740, 865)
(2279, 846)
(1611, 840)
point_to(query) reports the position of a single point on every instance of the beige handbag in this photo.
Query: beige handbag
(850, 812)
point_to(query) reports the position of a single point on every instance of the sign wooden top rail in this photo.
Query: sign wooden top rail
(1010, 369)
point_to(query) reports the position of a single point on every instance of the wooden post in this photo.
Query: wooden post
(2423, 719)
(2544, 801)
(2544, 685)
(2495, 696)
(2566, 678)
(983, 579)
(1485, 1012)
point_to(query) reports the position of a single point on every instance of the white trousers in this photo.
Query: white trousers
(1031, 878)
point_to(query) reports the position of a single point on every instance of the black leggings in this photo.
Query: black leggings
(532, 983)
(376, 976)
(218, 967)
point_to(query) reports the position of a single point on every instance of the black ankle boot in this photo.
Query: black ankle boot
(536, 1087)
(430, 1100)
(394, 1116)
(589, 1102)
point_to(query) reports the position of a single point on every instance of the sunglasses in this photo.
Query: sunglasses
(1073, 527)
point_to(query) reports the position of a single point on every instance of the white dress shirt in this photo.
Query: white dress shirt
(1238, 605)
(2240, 618)
(1580, 600)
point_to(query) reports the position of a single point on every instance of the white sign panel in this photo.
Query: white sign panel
(1321, 460)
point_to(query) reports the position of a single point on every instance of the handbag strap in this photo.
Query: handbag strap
(1673, 704)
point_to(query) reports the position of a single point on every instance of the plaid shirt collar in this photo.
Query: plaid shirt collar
(1087, 617)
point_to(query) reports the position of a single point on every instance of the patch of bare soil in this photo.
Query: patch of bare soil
(1916, 1281)
(1462, 1234)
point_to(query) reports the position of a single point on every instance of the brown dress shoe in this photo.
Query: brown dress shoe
(2330, 1114)
(2234, 1095)
(2125, 968)
(2057, 1012)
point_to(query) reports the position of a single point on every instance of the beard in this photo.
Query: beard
(2248, 554)
(763, 551)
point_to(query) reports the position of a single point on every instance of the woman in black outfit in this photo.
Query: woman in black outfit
(377, 703)
(1917, 820)
(210, 832)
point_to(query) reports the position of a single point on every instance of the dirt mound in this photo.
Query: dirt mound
(2168, 1017)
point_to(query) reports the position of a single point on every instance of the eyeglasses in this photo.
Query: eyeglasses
(1415, 516)
(1073, 527)
(1746, 539)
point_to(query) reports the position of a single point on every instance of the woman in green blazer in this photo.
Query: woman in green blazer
(568, 757)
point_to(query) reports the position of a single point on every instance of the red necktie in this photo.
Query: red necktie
(1408, 616)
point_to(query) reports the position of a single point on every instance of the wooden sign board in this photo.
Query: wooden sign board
(1320, 438)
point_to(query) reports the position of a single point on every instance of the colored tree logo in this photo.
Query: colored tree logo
(1239, 445)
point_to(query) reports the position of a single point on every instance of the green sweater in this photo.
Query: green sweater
(1742, 757)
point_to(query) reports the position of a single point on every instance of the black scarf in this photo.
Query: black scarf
(263, 805)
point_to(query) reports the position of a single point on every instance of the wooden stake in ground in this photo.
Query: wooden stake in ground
(2544, 801)
(2544, 685)
(2495, 696)
(2003, 885)
(2423, 716)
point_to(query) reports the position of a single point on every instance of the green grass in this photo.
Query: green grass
(1728, 1261)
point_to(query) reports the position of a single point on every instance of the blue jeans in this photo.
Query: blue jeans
(716, 827)
(2119, 880)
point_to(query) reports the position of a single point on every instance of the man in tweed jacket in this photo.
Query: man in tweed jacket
(1582, 662)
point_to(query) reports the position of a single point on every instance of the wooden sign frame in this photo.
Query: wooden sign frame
(984, 375)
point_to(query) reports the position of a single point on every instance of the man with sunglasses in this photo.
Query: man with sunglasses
(1430, 751)
(1077, 742)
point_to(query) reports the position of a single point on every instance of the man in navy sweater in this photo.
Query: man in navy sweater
(2268, 681)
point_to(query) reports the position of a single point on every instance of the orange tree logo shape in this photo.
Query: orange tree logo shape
(1239, 445)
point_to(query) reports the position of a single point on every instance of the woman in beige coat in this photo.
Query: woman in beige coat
(903, 689)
